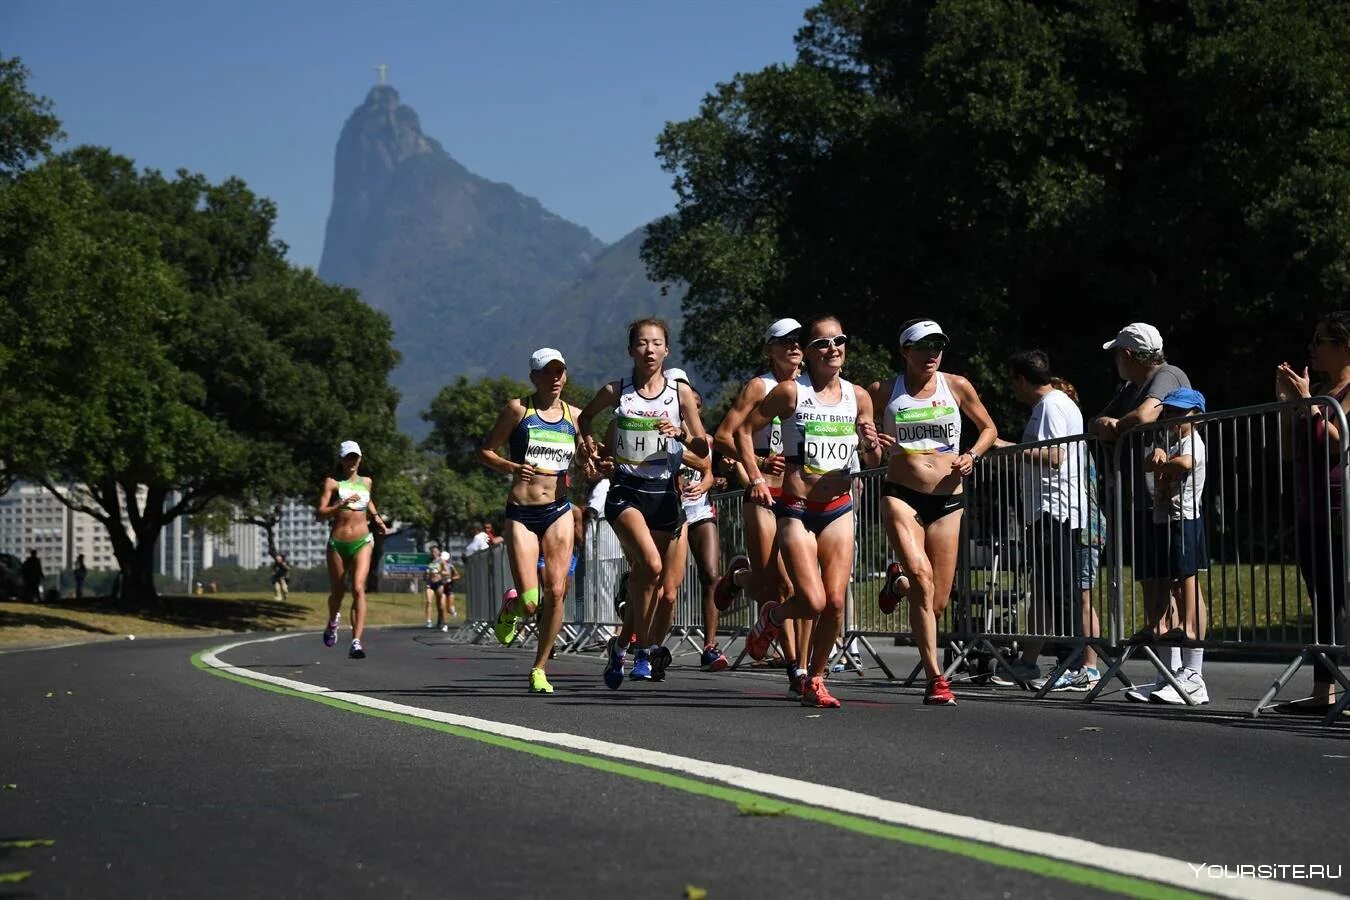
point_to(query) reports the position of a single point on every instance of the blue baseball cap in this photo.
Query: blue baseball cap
(1185, 398)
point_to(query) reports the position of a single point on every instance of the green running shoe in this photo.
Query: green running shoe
(539, 682)
(505, 626)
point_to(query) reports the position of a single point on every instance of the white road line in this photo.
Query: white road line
(1134, 863)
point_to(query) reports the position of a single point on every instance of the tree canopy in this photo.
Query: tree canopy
(1030, 174)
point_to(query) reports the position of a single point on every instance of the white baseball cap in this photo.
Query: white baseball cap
(543, 356)
(679, 375)
(445, 556)
(1137, 336)
(781, 328)
(920, 330)
(348, 448)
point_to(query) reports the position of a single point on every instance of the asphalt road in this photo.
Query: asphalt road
(155, 777)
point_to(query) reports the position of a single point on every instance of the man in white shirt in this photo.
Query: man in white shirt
(1054, 512)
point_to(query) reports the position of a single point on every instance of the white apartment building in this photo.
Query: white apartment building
(300, 536)
(31, 518)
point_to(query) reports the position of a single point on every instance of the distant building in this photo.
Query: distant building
(300, 536)
(31, 518)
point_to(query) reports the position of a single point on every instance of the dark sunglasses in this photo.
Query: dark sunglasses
(933, 346)
(1322, 341)
(826, 343)
(787, 340)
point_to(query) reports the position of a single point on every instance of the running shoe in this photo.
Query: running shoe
(725, 591)
(357, 651)
(939, 693)
(796, 682)
(1028, 672)
(539, 683)
(1191, 682)
(642, 667)
(428, 625)
(817, 696)
(505, 626)
(1141, 693)
(1084, 680)
(445, 629)
(330, 633)
(661, 659)
(893, 590)
(614, 650)
(713, 659)
(762, 635)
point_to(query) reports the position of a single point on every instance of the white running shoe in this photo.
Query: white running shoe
(1141, 693)
(1191, 681)
(1028, 672)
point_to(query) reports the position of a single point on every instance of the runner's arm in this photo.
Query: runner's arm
(488, 454)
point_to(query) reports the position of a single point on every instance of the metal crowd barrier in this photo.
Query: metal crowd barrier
(1056, 536)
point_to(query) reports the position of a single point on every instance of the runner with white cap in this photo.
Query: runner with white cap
(761, 571)
(348, 505)
(700, 534)
(653, 416)
(827, 423)
(541, 436)
(922, 497)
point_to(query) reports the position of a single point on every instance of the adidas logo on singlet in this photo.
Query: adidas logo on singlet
(807, 401)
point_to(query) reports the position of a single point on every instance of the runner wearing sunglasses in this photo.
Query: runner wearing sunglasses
(653, 417)
(922, 497)
(827, 421)
(542, 440)
(761, 570)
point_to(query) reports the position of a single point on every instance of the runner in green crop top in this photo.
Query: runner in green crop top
(346, 503)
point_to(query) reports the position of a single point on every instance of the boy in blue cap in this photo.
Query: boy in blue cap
(1177, 548)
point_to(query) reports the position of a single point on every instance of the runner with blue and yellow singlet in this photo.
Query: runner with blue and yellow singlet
(541, 435)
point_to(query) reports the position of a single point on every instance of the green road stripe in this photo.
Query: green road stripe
(998, 856)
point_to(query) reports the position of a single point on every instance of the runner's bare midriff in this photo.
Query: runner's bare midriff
(928, 473)
(798, 483)
(542, 491)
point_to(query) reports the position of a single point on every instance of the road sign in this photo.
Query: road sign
(405, 565)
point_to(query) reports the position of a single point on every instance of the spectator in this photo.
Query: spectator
(1055, 514)
(281, 573)
(31, 570)
(1174, 548)
(1088, 550)
(1319, 491)
(1148, 379)
(485, 538)
(81, 573)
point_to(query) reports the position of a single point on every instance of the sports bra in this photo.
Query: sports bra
(355, 489)
(821, 439)
(640, 449)
(928, 425)
(547, 446)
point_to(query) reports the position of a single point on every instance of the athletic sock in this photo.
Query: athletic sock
(799, 672)
(1173, 658)
(1193, 658)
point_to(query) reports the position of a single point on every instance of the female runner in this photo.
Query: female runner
(542, 440)
(827, 421)
(922, 498)
(348, 505)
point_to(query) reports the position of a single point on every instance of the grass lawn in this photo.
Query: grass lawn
(101, 618)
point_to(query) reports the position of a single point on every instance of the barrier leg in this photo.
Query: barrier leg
(1112, 672)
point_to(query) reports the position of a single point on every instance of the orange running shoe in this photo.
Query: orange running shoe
(761, 636)
(817, 696)
(939, 693)
(893, 590)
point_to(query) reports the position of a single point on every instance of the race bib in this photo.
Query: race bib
(549, 451)
(926, 429)
(776, 436)
(638, 442)
(829, 447)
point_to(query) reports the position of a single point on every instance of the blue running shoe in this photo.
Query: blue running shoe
(642, 667)
(615, 650)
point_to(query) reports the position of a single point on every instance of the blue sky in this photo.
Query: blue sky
(561, 100)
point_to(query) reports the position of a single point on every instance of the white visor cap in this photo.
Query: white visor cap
(348, 448)
(781, 328)
(920, 330)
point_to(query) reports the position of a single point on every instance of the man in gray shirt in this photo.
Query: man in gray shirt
(1148, 379)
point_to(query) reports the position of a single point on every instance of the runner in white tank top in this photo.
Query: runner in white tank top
(651, 414)
(922, 495)
(760, 571)
(827, 422)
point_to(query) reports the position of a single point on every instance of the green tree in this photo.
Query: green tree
(156, 350)
(28, 127)
(1031, 174)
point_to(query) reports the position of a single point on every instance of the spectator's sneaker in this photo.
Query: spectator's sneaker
(1084, 680)
(939, 693)
(642, 667)
(713, 659)
(428, 625)
(330, 633)
(725, 591)
(661, 659)
(816, 696)
(357, 651)
(539, 683)
(505, 626)
(1028, 672)
(1141, 693)
(445, 629)
(762, 635)
(796, 682)
(614, 650)
(1193, 684)
(894, 589)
